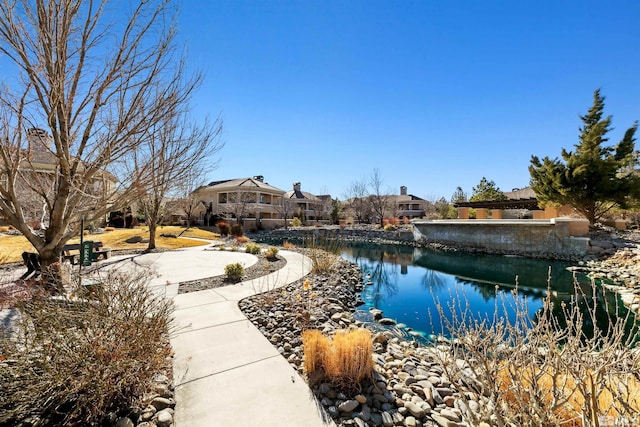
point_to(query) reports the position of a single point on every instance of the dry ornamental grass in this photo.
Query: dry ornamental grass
(344, 360)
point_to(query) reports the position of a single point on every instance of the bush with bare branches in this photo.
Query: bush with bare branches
(68, 361)
(549, 372)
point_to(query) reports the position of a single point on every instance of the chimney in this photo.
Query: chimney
(259, 178)
(38, 140)
(403, 190)
(296, 186)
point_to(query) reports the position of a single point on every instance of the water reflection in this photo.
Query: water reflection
(409, 284)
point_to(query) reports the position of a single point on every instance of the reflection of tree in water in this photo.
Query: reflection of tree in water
(607, 309)
(383, 275)
(433, 280)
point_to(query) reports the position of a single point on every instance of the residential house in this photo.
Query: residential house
(39, 175)
(408, 205)
(308, 207)
(249, 201)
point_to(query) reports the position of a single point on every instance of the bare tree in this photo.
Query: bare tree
(284, 207)
(380, 200)
(96, 81)
(356, 200)
(238, 205)
(176, 149)
(186, 198)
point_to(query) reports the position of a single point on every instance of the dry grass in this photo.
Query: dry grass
(626, 388)
(323, 262)
(344, 360)
(13, 246)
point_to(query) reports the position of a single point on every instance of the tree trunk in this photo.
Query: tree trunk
(153, 225)
(51, 269)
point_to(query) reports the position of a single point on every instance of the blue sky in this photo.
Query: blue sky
(434, 94)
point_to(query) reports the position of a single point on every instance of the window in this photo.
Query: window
(222, 198)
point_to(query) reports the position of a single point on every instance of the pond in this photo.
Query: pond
(409, 283)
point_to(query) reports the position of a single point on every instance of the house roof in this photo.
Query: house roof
(301, 195)
(243, 183)
(406, 198)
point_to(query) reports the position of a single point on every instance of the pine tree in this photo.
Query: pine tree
(486, 190)
(459, 195)
(594, 178)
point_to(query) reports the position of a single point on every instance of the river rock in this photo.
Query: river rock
(162, 402)
(164, 418)
(415, 410)
(348, 405)
(124, 422)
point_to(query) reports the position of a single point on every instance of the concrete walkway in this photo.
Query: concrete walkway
(226, 373)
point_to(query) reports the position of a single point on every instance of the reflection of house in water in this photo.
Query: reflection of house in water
(494, 270)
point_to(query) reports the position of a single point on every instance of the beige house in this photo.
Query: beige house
(249, 201)
(39, 176)
(408, 205)
(308, 207)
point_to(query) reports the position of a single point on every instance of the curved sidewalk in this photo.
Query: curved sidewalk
(226, 373)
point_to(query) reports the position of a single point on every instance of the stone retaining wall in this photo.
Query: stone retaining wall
(559, 238)
(555, 238)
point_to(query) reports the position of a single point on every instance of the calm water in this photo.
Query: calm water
(408, 283)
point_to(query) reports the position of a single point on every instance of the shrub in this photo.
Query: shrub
(4, 229)
(346, 360)
(109, 229)
(323, 262)
(394, 221)
(288, 245)
(296, 222)
(271, 252)
(252, 248)
(234, 271)
(223, 228)
(406, 220)
(242, 239)
(390, 227)
(236, 230)
(72, 362)
(547, 372)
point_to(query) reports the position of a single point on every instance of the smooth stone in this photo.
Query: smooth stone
(410, 422)
(124, 422)
(348, 405)
(161, 403)
(449, 401)
(442, 421)
(444, 391)
(449, 414)
(164, 418)
(376, 418)
(415, 410)
(365, 414)
(387, 419)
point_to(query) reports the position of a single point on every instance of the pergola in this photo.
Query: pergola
(497, 206)
(528, 203)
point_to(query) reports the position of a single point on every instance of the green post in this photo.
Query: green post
(86, 252)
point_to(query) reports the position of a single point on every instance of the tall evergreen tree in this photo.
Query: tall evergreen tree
(486, 190)
(594, 178)
(459, 195)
